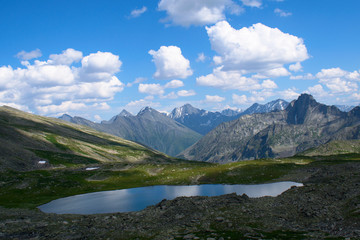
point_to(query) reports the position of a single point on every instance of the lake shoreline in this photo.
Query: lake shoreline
(137, 199)
(326, 206)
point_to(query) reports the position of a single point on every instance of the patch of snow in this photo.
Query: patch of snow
(42, 162)
(91, 168)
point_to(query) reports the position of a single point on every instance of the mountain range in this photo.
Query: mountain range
(203, 121)
(304, 124)
(149, 127)
(170, 133)
(200, 120)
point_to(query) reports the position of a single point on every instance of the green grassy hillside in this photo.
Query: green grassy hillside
(334, 148)
(29, 142)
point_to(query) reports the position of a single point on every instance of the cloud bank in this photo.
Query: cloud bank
(55, 86)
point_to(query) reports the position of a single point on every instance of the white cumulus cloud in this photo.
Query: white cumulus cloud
(170, 63)
(152, 89)
(338, 80)
(174, 84)
(254, 49)
(158, 89)
(245, 100)
(317, 91)
(252, 3)
(49, 75)
(233, 80)
(276, 72)
(199, 12)
(186, 93)
(67, 57)
(295, 67)
(289, 94)
(215, 98)
(55, 86)
(100, 65)
(29, 55)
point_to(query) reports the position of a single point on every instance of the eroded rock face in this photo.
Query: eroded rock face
(304, 124)
(327, 206)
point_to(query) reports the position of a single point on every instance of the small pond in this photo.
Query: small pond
(135, 199)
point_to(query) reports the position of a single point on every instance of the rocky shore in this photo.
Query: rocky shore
(327, 206)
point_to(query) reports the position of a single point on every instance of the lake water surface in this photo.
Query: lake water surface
(135, 199)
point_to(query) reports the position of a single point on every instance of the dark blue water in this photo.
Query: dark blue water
(135, 199)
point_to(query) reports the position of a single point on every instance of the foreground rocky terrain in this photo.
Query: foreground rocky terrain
(328, 206)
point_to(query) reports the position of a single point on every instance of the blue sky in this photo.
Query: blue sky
(94, 58)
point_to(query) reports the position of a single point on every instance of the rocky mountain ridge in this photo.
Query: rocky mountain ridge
(203, 121)
(174, 132)
(304, 124)
(148, 127)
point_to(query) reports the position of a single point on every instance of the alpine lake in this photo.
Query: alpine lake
(135, 199)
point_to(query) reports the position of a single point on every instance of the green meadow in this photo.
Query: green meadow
(29, 189)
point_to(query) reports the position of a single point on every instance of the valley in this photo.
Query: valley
(180, 120)
(43, 159)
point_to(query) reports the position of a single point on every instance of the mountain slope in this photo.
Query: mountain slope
(304, 124)
(335, 147)
(29, 141)
(148, 127)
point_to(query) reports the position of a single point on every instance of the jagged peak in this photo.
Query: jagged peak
(230, 112)
(147, 109)
(345, 108)
(306, 106)
(65, 116)
(304, 98)
(183, 110)
(125, 113)
(188, 108)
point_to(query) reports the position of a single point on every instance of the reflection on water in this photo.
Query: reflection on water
(136, 199)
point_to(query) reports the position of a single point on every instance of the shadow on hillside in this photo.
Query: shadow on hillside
(19, 137)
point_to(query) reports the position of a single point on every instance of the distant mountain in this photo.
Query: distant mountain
(148, 127)
(203, 121)
(123, 113)
(345, 108)
(231, 112)
(199, 120)
(304, 124)
(78, 120)
(29, 142)
(276, 105)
